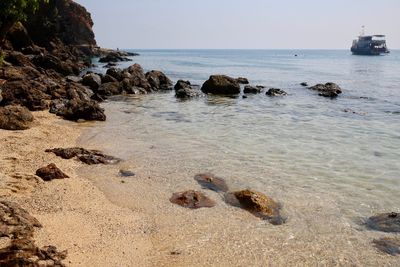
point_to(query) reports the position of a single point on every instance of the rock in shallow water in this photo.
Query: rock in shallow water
(388, 245)
(51, 172)
(221, 85)
(212, 182)
(257, 203)
(386, 222)
(276, 92)
(126, 173)
(327, 90)
(192, 199)
(252, 89)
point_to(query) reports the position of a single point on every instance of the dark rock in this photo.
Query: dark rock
(304, 84)
(92, 80)
(113, 56)
(386, 222)
(192, 199)
(260, 86)
(221, 85)
(258, 204)
(15, 118)
(183, 89)
(276, 92)
(138, 78)
(73, 78)
(109, 89)
(327, 90)
(15, 222)
(51, 172)
(108, 79)
(76, 109)
(158, 80)
(89, 157)
(126, 173)
(33, 50)
(115, 73)
(212, 182)
(244, 96)
(251, 90)
(17, 247)
(110, 65)
(30, 94)
(388, 245)
(52, 62)
(242, 80)
(18, 59)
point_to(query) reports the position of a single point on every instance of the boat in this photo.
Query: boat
(370, 45)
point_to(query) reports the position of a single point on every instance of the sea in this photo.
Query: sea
(330, 163)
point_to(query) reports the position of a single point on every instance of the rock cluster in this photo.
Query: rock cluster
(90, 157)
(327, 90)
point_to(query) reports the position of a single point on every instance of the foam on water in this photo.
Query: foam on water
(329, 168)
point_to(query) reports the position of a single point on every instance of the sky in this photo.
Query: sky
(241, 24)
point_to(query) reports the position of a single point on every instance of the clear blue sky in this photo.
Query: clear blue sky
(241, 23)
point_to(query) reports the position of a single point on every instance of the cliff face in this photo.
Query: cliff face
(58, 24)
(64, 20)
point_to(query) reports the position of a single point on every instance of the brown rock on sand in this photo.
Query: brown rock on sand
(51, 172)
(15, 118)
(192, 199)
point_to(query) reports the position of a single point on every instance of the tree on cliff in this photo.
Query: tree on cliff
(12, 11)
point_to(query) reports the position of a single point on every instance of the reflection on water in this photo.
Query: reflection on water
(329, 168)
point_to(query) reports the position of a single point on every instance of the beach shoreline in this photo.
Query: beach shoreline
(75, 214)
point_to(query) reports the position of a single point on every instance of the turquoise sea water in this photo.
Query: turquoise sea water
(329, 168)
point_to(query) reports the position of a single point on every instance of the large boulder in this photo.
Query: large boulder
(158, 80)
(327, 90)
(115, 73)
(92, 80)
(109, 89)
(15, 118)
(138, 78)
(30, 94)
(221, 85)
(19, 37)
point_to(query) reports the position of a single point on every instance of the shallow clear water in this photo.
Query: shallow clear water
(329, 168)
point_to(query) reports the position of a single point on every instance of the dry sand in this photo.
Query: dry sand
(76, 216)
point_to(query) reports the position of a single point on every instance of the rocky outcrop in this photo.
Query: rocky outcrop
(251, 89)
(327, 90)
(48, 61)
(386, 222)
(51, 172)
(221, 85)
(212, 182)
(89, 157)
(114, 56)
(92, 80)
(192, 199)
(276, 92)
(15, 118)
(184, 89)
(257, 203)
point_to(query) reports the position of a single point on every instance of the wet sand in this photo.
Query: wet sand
(75, 214)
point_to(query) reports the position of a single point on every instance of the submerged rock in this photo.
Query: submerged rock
(304, 84)
(251, 89)
(126, 173)
(388, 245)
(15, 118)
(192, 199)
(386, 222)
(257, 203)
(327, 90)
(221, 85)
(212, 182)
(275, 92)
(51, 172)
(89, 157)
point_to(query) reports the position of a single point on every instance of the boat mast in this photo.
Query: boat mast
(362, 30)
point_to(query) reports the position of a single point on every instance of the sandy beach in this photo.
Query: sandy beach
(75, 215)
